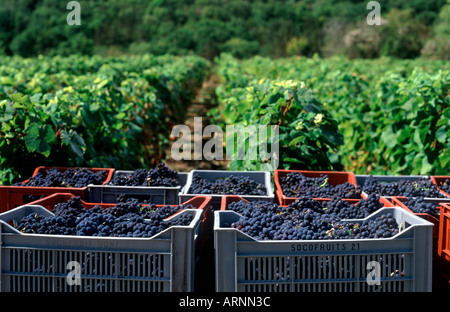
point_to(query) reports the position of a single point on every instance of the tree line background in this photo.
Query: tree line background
(410, 29)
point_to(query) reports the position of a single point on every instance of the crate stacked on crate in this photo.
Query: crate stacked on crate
(159, 185)
(69, 257)
(292, 184)
(339, 259)
(50, 180)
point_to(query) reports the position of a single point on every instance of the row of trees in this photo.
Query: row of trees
(241, 27)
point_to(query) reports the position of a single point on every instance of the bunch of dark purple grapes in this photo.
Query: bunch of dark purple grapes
(161, 175)
(445, 186)
(310, 219)
(126, 219)
(71, 177)
(231, 185)
(422, 187)
(295, 184)
(420, 205)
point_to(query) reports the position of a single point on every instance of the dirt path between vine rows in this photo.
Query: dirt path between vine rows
(205, 100)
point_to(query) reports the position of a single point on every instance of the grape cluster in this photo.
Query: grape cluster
(295, 184)
(72, 177)
(345, 210)
(161, 175)
(445, 186)
(126, 219)
(420, 205)
(383, 226)
(231, 185)
(307, 219)
(423, 187)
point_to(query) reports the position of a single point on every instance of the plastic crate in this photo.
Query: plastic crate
(361, 179)
(40, 263)
(15, 196)
(335, 178)
(400, 201)
(444, 235)
(199, 202)
(244, 264)
(438, 180)
(443, 259)
(440, 270)
(262, 177)
(161, 195)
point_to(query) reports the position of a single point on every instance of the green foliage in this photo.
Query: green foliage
(363, 42)
(32, 129)
(438, 46)
(263, 27)
(393, 114)
(308, 135)
(414, 128)
(297, 46)
(240, 48)
(402, 36)
(91, 111)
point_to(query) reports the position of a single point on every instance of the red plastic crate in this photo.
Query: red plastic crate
(437, 180)
(441, 263)
(335, 178)
(444, 234)
(399, 201)
(13, 196)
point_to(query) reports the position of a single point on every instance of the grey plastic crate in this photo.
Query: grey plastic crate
(39, 263)
(262, 177)
(160, 195)
(244, 264)
(361, 179)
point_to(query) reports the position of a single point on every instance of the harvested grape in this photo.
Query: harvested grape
(126, 219)
(161, 175)
(71, 177)
(423, 187)
(231, 185)
(295, 184)
(307, 219)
